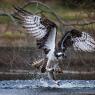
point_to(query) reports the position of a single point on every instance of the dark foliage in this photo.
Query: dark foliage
(87, 4)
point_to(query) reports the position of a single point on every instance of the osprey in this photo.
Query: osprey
(45, 31)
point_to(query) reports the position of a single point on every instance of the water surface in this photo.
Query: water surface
(47, 87)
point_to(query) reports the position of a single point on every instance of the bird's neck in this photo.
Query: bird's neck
(59, 53)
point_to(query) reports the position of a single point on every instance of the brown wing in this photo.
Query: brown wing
(78, 40)
(42, 29)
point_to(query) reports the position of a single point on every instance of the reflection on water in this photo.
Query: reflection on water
(47, 87)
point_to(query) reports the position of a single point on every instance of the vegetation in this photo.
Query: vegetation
(71, 12)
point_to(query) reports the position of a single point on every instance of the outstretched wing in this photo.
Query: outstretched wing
(78, 40)
(42, 29)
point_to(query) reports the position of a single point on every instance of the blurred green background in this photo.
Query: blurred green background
(70, 11)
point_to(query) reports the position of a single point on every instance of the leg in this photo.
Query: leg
(43, 67)
(51, 74)
(52, 77)
(46, 66)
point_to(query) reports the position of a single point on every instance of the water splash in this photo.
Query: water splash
(69, 84)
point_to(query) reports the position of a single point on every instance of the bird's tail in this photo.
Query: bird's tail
(37, 63)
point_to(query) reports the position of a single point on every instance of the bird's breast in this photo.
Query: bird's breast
(51, 55)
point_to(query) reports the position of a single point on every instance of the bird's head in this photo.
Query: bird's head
(59, 54)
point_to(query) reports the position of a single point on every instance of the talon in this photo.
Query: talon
(58, 70)
(43, 70)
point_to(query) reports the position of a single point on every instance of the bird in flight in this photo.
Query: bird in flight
(45, 32)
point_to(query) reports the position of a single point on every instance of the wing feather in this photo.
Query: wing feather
(42, 29)
(82, 41)
(35, 27)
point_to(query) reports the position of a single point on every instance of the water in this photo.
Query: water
(47, 87)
